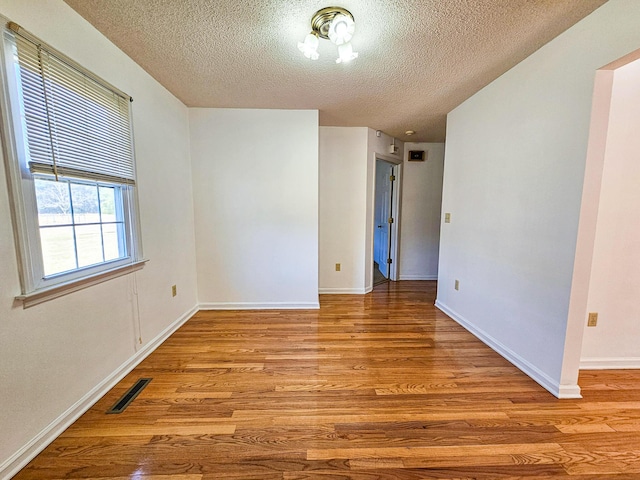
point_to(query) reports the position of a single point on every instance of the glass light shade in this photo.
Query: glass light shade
(341, 29)
(346, 53)
(310, 46)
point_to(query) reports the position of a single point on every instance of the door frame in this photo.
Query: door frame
(395, 214)
(383, 210)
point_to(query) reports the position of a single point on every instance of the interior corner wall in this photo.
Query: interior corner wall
(255, 188)
(343, 187)
(421, 207)
(614, 287)
(58, 357)
(513, 177)
(377, 147)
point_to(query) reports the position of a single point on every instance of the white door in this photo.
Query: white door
(382, 233)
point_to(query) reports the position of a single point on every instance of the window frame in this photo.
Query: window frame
(35, 286)
(125, 200)
(121, 217)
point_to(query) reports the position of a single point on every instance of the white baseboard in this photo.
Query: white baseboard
(28, 452)
(555, 388)
(418, 277)
(610, 363)
(259, 306)
(341, 291)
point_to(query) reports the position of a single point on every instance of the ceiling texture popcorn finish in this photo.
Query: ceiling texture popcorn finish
(418, 59)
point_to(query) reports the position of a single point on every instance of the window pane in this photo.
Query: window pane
(85, 203)
(89, 244)
(113, 235)
(108, 204)
(54, 205)
(58, 249)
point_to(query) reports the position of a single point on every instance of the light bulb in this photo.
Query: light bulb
(346, 53)
(310, 46)
(341, 29)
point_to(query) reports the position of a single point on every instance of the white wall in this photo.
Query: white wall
(513, 177)
(54, 354)
(421, 206)
(255, 187)
(343, 188)
(614, 287)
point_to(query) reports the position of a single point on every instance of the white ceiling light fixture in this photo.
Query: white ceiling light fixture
(345, 53)
(335, 24)
(310, 46)
(341, 29)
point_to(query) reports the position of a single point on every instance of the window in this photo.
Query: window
(71, 168)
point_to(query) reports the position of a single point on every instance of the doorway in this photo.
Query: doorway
(385, 209)
(606, 278)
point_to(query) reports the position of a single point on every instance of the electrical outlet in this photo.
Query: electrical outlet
(174, 290)
(337, 267)
(593, 319)
(447, 218)
(457, 285)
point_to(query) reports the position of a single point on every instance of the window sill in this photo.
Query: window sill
(46, 294)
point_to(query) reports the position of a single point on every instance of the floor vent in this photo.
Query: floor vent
(128, 397)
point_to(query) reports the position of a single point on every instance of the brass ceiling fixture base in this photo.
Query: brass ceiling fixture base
(322, 20)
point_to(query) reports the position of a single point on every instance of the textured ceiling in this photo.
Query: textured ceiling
(418, 59)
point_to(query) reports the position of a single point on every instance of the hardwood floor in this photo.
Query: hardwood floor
(382, 386)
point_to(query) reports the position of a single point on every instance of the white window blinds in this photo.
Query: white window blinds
(76, 125)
